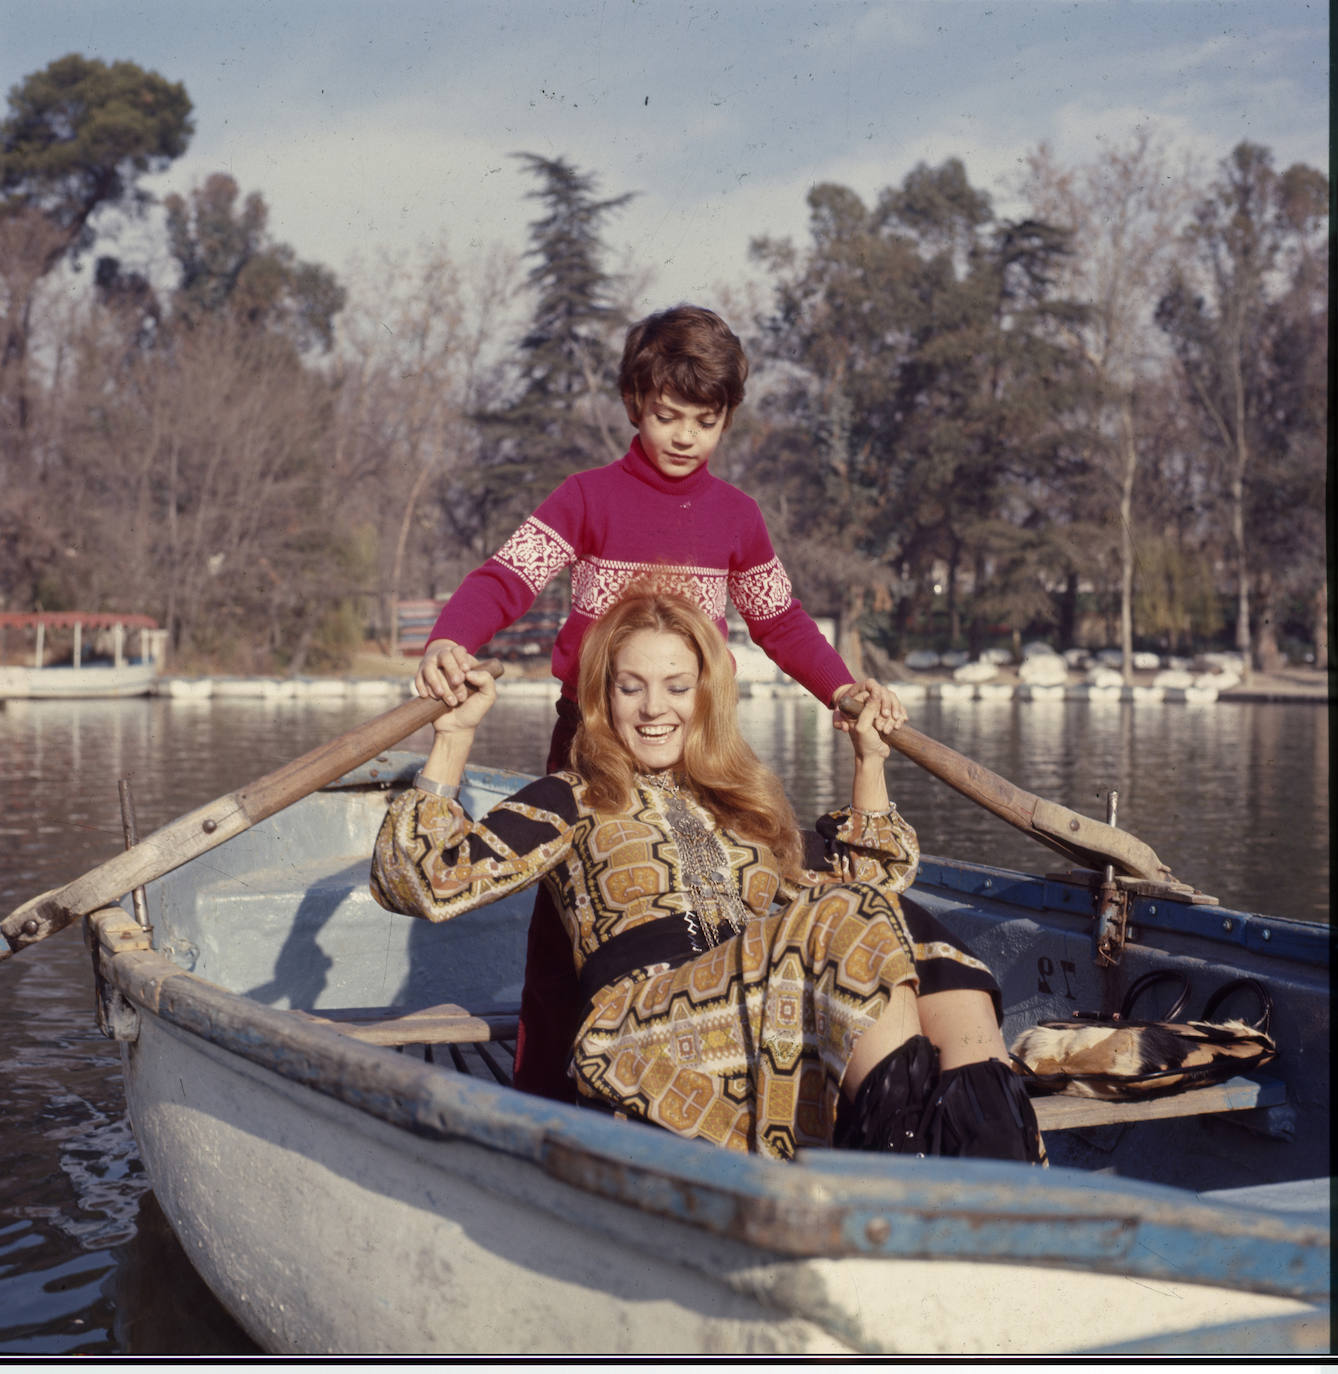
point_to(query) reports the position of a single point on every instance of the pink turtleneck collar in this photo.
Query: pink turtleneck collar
(637, 464)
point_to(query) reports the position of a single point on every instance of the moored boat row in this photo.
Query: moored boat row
(303, 688)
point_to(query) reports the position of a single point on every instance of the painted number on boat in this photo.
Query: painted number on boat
(1045, 971)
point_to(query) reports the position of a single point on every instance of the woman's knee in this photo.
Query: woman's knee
(898, 1023)
(962, 1024)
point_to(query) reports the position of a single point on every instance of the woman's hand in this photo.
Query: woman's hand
(864, 731)
(888, 712)
(880, 712)
(441, 673)
(455, 728)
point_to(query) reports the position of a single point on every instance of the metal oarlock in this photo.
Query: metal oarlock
(137, 898)
(1112, 904)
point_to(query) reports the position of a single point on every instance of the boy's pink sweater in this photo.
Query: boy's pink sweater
(611, 524)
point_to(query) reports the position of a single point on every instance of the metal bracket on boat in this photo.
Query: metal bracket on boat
(1112, 925)
(1114, 894)
(1112, 906)
(131, 830)
(109, 932)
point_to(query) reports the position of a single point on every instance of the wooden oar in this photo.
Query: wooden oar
(1088, 843)
(201, 830)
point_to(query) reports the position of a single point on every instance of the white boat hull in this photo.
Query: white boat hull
(339, 1234)
(57, 683)
(340, 1197)
(327, 1231)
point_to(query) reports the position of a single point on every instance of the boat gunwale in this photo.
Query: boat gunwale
(835, 1205)
(1273, 937)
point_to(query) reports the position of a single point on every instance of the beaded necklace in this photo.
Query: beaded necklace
(718, 912)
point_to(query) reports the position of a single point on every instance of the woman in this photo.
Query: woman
(734, 992)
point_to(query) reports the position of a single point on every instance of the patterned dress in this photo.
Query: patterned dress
(734, 998)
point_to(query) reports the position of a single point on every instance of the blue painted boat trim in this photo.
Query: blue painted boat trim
(1276, 937)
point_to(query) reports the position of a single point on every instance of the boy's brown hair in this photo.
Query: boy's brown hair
(688, 350)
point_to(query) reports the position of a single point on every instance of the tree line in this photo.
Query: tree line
(1101, 421)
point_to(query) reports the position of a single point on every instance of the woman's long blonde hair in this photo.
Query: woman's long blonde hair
(718, 766)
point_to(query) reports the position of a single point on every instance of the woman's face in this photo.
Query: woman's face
(653, 696)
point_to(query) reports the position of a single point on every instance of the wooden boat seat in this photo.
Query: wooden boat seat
(1066, 1111)
(484, 1042)
(446, 1024)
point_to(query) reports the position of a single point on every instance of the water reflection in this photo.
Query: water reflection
(1234, 797)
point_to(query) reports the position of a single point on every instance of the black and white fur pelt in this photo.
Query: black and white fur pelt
(1138, 1059)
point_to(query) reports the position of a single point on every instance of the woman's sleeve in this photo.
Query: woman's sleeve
(877, 847)
(432, 860)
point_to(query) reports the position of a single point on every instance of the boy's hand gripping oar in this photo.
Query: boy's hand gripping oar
(201, 830)
(1088, 843)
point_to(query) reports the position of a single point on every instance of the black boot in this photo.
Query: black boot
(907, 1106)
(982, 1110)
(891, 1103)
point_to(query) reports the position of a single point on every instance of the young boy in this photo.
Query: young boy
(657, 511)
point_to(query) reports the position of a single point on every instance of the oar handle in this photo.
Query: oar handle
(1092, 844)
(281, 788)
(201, 830)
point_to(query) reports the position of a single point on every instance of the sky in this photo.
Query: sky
(393, 124)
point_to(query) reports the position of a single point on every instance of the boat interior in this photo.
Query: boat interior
(282, 914)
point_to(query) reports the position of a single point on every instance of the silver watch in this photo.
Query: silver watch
(448, 790)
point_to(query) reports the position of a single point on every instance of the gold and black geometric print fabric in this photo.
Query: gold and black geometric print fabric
(744, 1044)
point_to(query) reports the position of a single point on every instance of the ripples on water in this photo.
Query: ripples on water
(1234, 797)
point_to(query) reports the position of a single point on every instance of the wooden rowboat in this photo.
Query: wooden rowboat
(320, 1093)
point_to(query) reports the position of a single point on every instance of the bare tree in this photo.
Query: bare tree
(1256, 238)
(417, 347)
(198, 472)
(1123, 210)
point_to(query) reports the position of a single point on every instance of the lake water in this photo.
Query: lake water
(1233, 796)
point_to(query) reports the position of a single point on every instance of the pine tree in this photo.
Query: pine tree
(79, 136)
(557, 423)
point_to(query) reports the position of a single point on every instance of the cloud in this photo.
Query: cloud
(363, 134)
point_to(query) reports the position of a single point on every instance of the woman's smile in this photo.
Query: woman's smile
(653, 696)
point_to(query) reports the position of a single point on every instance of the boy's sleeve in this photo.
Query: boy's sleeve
(760, 589)
(499, 592)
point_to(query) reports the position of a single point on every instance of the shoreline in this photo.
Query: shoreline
(373, 677)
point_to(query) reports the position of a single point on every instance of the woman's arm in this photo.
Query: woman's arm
(871, 843)
(432, 860)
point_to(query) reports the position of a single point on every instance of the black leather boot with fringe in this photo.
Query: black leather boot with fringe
(982, 1110)
(890, 1106)
(906, 1105)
